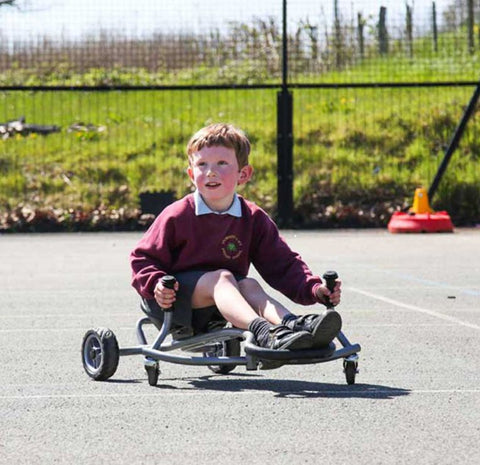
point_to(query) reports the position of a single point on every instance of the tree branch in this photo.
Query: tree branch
(7, 2)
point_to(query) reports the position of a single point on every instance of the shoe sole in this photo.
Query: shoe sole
(270, 364)
(326, 329)
(302, 340)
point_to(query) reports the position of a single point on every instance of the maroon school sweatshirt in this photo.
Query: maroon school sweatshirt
(178, 240)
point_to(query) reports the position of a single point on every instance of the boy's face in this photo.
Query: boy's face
(216, 174)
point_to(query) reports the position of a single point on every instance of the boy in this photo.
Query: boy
(208, 240)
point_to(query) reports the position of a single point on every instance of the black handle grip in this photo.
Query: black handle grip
(168, 282)
(330, 277)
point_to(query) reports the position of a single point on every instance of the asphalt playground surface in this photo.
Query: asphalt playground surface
(411, 301)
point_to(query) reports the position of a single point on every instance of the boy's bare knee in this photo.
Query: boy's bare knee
(249, 285)
(223, 275)
(203, 295)
(212, 279)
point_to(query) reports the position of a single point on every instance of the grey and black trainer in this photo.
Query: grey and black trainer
(323, 328)
(283, 338)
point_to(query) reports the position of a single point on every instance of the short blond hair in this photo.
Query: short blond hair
(224, 135)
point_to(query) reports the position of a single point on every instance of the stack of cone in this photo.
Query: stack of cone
(420, 218)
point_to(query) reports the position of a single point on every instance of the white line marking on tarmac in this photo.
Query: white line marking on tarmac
(65, 315)
(428, 282)
(39, 330)
(352, 392)
(449, 318)
(374, 325)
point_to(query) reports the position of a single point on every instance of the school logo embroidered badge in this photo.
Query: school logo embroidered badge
(231, 247)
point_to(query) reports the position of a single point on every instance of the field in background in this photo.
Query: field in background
(359, 153)
(371, 161)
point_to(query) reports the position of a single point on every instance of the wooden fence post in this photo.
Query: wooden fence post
(338, 46)
(382, 32)
(360, 35)
(409, 30)
(470, 25)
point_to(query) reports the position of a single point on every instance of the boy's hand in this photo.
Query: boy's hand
(165, 297)
(324, 295)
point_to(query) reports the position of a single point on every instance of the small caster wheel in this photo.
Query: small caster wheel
(230, 348)
(350, 368)
(153, 370)
(100, 353)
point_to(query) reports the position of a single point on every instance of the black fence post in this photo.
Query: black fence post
(285, 139)
(285, 158)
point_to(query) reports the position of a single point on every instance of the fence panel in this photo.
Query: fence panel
(126, 91)
(115, 144)
(359, 152)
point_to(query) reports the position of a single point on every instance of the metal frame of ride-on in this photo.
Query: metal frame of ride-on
(221, 350)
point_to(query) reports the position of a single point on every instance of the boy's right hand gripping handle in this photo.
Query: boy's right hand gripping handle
(168, 282)
(330, 277)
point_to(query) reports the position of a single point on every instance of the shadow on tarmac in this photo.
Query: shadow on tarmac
(287, 388)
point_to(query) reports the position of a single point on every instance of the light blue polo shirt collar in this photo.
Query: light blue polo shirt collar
(201, 208)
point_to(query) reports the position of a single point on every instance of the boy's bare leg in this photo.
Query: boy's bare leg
(323, 327)
(220, 288)
(265, 305)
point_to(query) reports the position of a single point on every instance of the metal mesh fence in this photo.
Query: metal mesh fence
(378, 91)
(214, 42)
(358, 151)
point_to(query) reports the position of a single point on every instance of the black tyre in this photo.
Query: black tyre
(350, 369)
(230, 348)
(153, 372)
(100, 353)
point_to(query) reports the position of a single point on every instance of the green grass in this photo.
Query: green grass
(367, 148)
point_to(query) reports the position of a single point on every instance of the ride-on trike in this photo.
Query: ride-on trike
(220, 349)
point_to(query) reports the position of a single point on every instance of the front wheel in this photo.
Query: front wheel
(230, 348)
(100, 353)
(153, 371)
(350, 369)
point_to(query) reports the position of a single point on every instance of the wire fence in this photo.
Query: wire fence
(377, 93)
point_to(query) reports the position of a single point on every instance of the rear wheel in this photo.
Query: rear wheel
(230, 348)
(100, 353)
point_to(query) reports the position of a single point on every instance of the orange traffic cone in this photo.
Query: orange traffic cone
(420, 218)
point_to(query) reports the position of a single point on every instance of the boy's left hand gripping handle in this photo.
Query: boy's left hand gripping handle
(168, 282)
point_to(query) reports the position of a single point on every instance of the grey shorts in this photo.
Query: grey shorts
(186, 320)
